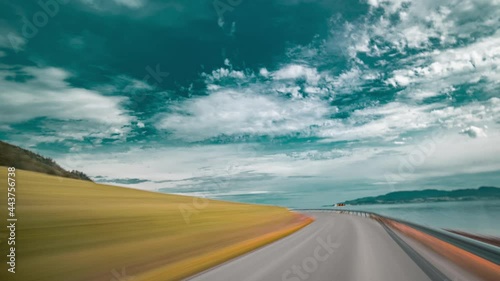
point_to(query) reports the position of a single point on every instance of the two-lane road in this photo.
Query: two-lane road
(334, 247)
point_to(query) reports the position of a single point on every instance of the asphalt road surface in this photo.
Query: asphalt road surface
(336, 247)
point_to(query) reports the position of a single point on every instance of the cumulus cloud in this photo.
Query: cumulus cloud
(296, 71)
(383, 122)
(440, 69)
(275, 104)
(473, 113)
(412, 25)
(351, 80)
(45, 93)
(229, 112)
(28, 93)
(474, 132)
(222, 73)
(264, 72)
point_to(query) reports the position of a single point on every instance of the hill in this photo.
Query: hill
(15, 156)
(430, 195)
(79, 230)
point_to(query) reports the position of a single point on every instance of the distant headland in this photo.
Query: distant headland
(429, 195)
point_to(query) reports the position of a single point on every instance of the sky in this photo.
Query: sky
(299, 103)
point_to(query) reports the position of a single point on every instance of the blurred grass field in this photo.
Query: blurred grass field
(77, 230)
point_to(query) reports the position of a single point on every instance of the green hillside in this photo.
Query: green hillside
(430, 195)
(15, 156)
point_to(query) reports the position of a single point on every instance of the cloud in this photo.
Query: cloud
(29, 93)
(231, 112)
(274, 104)
(131, 4)
(295, 71)
(384, 122)
(264, 72)
(333, 115)
(125, 181)
(222, 73)
(374, 3)
(440, 69)
(163, 166)
(352, 80)
(474, 132)
(486, 113)
(10, 39)
(46, 93)
(406, 25)
(319, 155)
(399, 79)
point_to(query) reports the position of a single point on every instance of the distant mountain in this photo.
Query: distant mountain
(430, 195)
(14, 156)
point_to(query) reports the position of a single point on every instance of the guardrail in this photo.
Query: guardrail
(481, 249)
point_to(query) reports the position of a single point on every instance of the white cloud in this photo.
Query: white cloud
(420, 95)
(416, 38)
(315, 90)
(389, 121)
(319, 155)
(264, 72)
(351, 80)
(474, 132)
(199, 165)
(486, 113)
(384, 122)
(296, 71)
(439, 156)
(45, 93)
(255, 109)
(11, 40)
(408, 25)
(131, 4)
(222, 73)
(229, 112)
(399, 80)
(169, 166)
(373, 3)
(433, 73)
(294, 91)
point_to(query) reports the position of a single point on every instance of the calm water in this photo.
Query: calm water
(482, 217)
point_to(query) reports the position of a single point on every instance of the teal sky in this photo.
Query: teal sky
(299, 103)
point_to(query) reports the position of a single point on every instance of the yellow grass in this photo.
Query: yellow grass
(77, 230)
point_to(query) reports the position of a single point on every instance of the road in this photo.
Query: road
(334, 247)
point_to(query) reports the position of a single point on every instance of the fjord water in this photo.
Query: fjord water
(479, 217)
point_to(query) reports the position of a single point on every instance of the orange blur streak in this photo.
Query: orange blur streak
(482, 268)
(184, 268)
